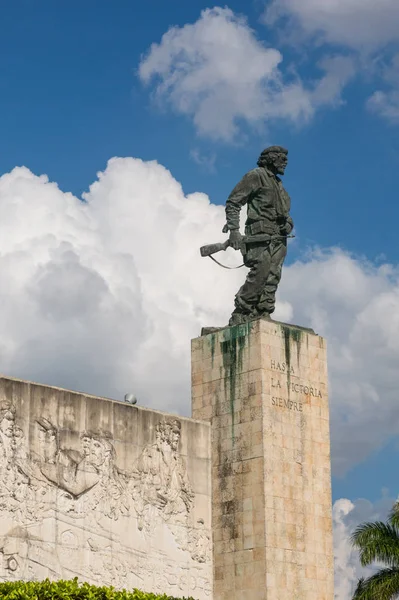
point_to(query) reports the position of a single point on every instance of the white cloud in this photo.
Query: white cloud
(358, 24)
(101, 296)
(386, 104)
(205, 161)
(347, 516)
(104, 296)
(367, 28)
(117, 286)
(338, 71)
(355, 305)
(218, 73)
(345, 572)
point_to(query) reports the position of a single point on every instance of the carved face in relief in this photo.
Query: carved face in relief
(86, 444)
(48, 439)
(51, 442)
(175, 439)
(97, 448)
(167, 436)
(97, 452)
(18, 434)
(7, 423)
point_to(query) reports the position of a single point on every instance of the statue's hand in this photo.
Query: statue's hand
(286, 226)
(235, 239)
(285, 229)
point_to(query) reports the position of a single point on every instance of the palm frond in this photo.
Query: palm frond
(377, 541)
(383, 585)
(393, 518)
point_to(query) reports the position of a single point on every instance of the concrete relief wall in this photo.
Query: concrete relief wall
(109, 492)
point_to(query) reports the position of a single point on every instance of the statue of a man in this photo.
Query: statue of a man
(268, 206)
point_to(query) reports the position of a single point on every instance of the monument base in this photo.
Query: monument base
(263, 387)
(208, 330)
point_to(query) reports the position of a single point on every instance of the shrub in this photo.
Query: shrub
(70, 590)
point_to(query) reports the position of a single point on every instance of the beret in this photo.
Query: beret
(274, 149)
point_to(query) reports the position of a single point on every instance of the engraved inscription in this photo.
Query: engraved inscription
(275, 383)
(307, 390)
(285, 403)
(282, 367)
(298, 388)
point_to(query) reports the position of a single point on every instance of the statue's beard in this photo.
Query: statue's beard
(276, 168)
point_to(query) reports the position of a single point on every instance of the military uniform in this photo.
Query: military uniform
(268, 206)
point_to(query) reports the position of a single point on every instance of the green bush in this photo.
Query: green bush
(70, 590)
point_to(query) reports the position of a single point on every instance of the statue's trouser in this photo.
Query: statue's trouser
(258, 294)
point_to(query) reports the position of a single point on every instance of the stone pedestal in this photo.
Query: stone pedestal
(263, 386)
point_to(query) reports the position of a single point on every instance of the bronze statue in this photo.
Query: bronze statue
(267, 227)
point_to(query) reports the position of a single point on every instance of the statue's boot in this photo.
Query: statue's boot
(238, 318)
(264, 315)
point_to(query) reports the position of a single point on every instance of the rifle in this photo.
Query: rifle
(211, 249)
(246, 239)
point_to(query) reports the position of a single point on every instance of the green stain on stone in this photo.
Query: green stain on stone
(291, 333)
(213, 344)
(232, 347)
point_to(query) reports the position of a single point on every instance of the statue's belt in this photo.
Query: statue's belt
(262, 226)
(211, 249)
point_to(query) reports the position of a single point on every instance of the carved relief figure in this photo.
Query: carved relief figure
(110, 496)
(78, 472)
(200, 545)
(14, 478)
(63, 468)
(165, 492)
(78, 491)
(7, 425)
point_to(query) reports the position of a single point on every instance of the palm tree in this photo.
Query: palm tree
(379, 542)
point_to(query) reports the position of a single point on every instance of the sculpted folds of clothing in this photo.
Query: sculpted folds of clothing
(163, 472)
(268, 205)
(264, 195)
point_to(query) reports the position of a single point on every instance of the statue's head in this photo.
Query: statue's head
(274, 158)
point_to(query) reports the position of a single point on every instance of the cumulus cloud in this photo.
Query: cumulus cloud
(218, 73)
(355, 305)
(366, 28)
(347, 515)
(101, 295)
(359, 24)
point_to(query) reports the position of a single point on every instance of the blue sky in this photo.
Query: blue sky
(79, 83)
(70, 99)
